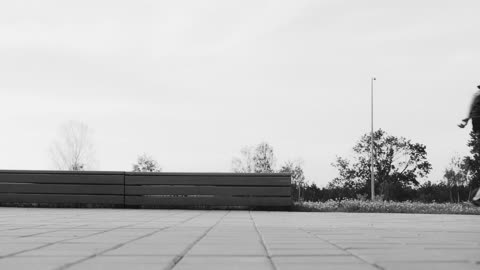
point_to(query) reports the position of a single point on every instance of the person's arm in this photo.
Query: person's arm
(465, 120)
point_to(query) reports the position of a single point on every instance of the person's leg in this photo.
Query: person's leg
(476, 130)
(477, 195)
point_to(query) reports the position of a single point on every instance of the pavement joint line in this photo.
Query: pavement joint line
(21, 228)
(339, 247)
(68, 265)
(57, 230)
(262, 241)
(180, 257)
(79, 237)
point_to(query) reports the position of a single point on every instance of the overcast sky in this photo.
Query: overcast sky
(191, 82)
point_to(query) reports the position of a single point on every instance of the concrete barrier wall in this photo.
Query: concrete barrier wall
(129, 189)
(184, 189)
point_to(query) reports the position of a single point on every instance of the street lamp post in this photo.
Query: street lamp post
(371, 148)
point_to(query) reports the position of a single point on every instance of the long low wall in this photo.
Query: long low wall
(130, 189)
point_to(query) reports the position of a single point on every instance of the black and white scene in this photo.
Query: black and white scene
(240, 134)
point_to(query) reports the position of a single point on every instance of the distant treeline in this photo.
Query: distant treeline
(427, 192)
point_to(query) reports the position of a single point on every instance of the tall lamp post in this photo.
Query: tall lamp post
(371, 148)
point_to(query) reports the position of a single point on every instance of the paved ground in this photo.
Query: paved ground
(182, 239)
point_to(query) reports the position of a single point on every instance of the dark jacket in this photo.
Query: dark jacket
(475, 108)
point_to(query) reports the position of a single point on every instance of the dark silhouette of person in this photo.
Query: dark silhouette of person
(474, 114)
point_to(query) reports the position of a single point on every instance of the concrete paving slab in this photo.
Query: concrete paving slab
(69, 249)
(43, 263)
(433, 266)
(321, 262)
(417, 255)
(12, 248)
(148, 250)
(225, 262)
(317, 260)
(228, 249)
(60, 239)
(125, 263)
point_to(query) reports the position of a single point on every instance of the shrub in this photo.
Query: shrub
(362, 206)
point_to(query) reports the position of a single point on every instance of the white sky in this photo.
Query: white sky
(192, 82)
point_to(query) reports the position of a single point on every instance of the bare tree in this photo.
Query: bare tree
(456, 175)
(259, 159)
(146, 163)
(73, 148)
(244, 163)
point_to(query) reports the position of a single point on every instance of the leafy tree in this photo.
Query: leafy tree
(398, 164)
(313, 193)
(433, 192)
(146, 163)
(426, 192)
(263, 158)
(73, 148)
(298, 177)
(347, 184)
(260, 159)
(295, 169)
